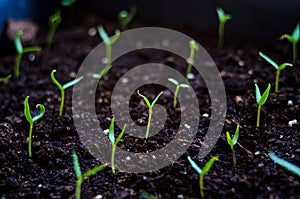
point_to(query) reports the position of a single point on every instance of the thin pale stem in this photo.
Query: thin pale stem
(175, 96)
(277, 80)
(108, 53)
(30, 140)
(17, 65)
(50, 37)
(233, 157)
(221, 35)
(149, 122)
(62, 102)
(294, 52)
(113, 159)
(78, 188)
(258, 115)
(201, 186)
(191, 58)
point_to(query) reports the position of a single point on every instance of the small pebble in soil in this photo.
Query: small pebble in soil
(292, 122)
(187, 126)
(241, 63)
(92, 31)
(31, 57)
(205, 115)
(98, 197)
(191, 76)
(290, 103)
(250, 72)
(124, 80)
(104, 60)
(106, 131)
(128, 158)
(180, 196)
(255, 81)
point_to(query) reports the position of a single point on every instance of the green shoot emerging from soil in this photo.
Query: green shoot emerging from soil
(54, 21)
(2, 79)
(21, 51)
(278, 68)
(62, 89)
(114, 142)
(294, 39)
(80, 176)
(202, 172)
(125, 18)
(232, 142)
(177, 89)
(289, 166)
(108, 41)
(102, 73)
(261, 99)
(150, 107)
(223, 18)
(67, 2)
(193, 47)
(32, 120)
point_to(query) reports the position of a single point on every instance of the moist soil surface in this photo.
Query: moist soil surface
(50, 174)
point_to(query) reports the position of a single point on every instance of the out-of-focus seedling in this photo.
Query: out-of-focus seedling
(21, 51)
(202, 172)
(177, 89)
(278, 68)
(193, 47)
(261, 99)
(2, 79)
(114, 142)
(150, 107)
(232, 142)
(294, 39)
(108, 41)
(223, 18)
(80, 176)
(31, 120)
(67, 2)
(62, 89)
(102, 74)
(287, 165)
(126, 17)
(54, 21)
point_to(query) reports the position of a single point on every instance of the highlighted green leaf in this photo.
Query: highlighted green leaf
(289, 166)
(94, 171)
(76, 165)
(194, 165)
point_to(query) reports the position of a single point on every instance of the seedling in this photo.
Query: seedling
(177, 89)
(2, 79)
(62, 89)
(54, 21)
(125, 18)
(278, 68)
(232, 142)
(67, 2)
(21, 51)
(80, 176)
(32, 120)
(202, 172)
(108, 41)
(223, 18)
(289, 166)
(114, 142)
(193, 47)
(102, 73)
(294, 39)
(261, 99)
(150, 107)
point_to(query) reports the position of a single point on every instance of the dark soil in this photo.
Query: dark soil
(49, 173)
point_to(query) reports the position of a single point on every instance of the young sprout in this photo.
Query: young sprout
(223, 18)
(232, 142)
(80, 176)
(114, 142)
(177, 89)
(102, 73)
(62, 89)
(125, 18)
(294, 39)
(21, 51)
(150, 107)
(289, 166)
(67, 2)
(202, 172)
(193, 47)
(261, 99)
(2, 79)
(32, 120)
(278, 68)
(54, 21)
(108, 41)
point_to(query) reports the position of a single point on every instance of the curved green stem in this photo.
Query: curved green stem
(62, 102)
(189, 68)
(175, 96)
(50, 37)
(277, 80)
(78, 188)
(258, 115)
(221, 35)
(113, 159)
(201, 186)
(108, 53)
(17, 65)
(149, 122)
(30, 140)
